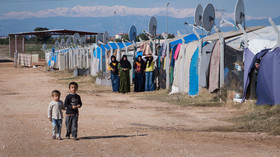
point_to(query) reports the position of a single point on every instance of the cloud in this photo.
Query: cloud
(99, 11)
(106, 11)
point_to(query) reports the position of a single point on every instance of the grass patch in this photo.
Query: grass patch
(4, 49)
(263, 118)
(204, 99)
(86, 83)
(35, 49)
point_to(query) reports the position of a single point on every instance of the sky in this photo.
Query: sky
(22, 9)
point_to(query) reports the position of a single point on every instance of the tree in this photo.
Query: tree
(40, 38)
(125, 37)
(142, 36)
(171, 36)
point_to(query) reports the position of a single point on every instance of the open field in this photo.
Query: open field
(134, 124)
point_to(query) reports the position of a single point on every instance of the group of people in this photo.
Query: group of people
(143, 78)
(71, 104)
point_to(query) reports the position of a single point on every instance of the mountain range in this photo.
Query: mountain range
(101, 24)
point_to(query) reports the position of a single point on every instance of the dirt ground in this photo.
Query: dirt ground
(114, 124)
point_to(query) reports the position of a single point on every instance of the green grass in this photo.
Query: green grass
(35, 49)
(4, 50)
(263, 118)
(204, 99)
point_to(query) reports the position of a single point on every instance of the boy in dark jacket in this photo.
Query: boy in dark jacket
(72, 103)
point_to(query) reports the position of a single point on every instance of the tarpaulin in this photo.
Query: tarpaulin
(248, 65)
(268, 86)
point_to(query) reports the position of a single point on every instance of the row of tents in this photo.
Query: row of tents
(183, 66)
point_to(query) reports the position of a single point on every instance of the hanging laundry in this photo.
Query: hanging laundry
(177, 51)
(147, 49)
(172, 64)
(163, 49)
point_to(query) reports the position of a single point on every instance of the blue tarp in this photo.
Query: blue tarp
(268, 86)
(113, 45)
(193, 90)
(188, 39)
(120, 44)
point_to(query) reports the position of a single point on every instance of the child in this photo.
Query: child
(55, 114)
(72, 103)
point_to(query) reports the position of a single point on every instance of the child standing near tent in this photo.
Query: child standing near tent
(55, 114)
(72, 103)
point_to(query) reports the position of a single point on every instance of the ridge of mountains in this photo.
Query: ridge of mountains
(101, 24)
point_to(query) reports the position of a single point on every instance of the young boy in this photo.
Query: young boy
(72, 103)
(55, 114)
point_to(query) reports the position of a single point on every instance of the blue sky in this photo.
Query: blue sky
(21, 9)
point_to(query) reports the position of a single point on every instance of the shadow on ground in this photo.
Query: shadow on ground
(5, 60)
(112, 136)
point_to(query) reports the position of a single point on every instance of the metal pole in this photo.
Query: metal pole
(167, 4)
(10, 46)
(167, 66)
(115, 24)
(15, 53)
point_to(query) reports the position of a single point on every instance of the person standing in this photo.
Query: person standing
(113, 66)
(124, 68)
(149, 76)
(139, 67)
(72, 103)
(55, 114)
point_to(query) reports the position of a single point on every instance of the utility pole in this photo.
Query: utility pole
(167, 4)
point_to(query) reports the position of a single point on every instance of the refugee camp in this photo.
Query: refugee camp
(131, 78)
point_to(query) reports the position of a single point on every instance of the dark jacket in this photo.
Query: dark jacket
(72, 100)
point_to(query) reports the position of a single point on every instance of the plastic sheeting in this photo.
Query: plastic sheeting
(193, 90)
(258, 40)
(268, 86)
(205, 63)
(214, 71)
(189, 38)
(248, 65)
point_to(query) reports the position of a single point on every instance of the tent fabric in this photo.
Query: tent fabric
(257, 45)
(250, 58)
(214, 70)
(189, 50)
(193, 90)
(268, 86)
(113, 45)
(205, 63)
(189, 38)
(258, 40)
(183, 72)
(177, 69)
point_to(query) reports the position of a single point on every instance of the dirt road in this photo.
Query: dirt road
(114, 124)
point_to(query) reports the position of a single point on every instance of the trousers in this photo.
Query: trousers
(56, 127)
(72, 125)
